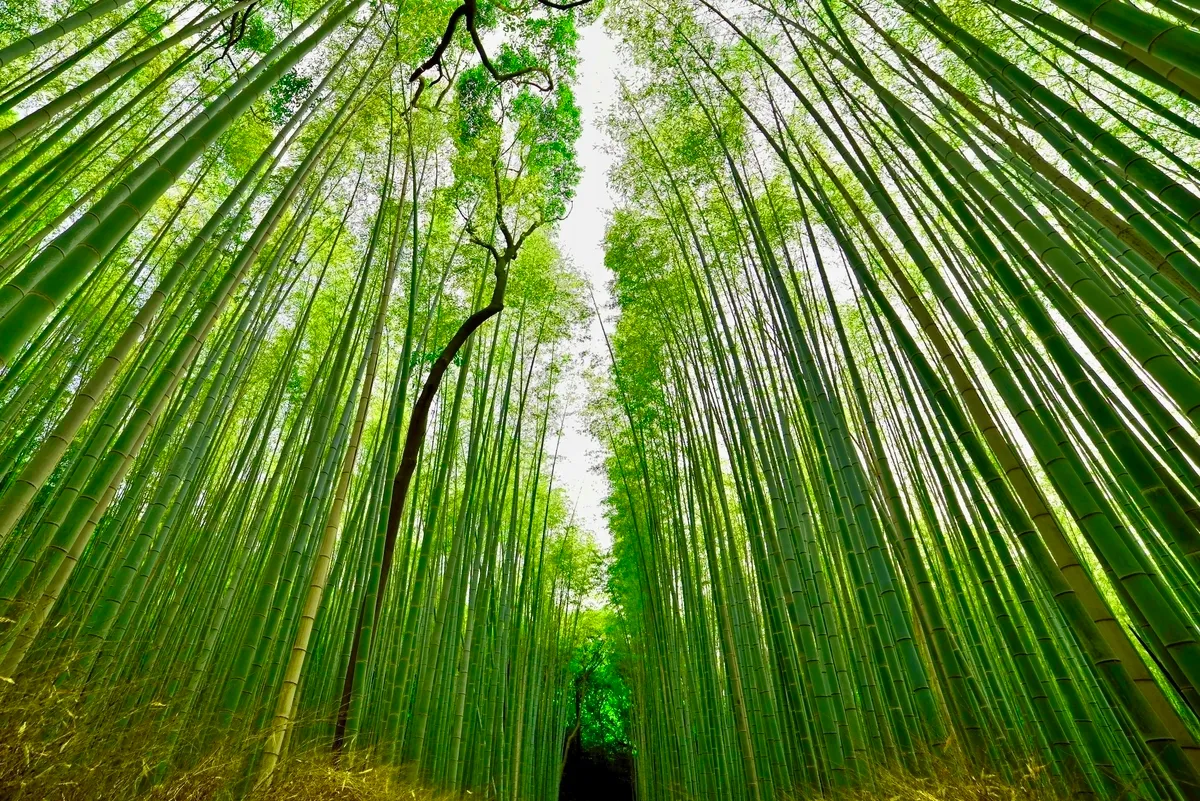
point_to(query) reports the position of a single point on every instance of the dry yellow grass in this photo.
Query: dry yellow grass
(949, 778)
(945, 785)
(52, 751)
(316, 779)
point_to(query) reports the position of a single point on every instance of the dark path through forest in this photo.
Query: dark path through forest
(596, 774)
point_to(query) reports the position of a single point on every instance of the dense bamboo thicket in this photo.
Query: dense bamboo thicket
(901, 426)
(904, 421)
(278, 476)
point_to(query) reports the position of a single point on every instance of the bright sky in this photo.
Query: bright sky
(581, 238)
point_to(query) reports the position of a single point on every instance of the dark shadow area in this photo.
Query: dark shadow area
(596, 774)
(598, 761)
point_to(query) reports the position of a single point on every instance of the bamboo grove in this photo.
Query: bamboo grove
(903, 423)
(242, 246)
(900, 423)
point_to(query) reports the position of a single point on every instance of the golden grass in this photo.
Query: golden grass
(951, 778)
(946, 782)
(316, 779)
(53, 748)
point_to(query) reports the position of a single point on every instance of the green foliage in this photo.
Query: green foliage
(259, 36)
(604, 697)
(243, 143)
(18, 19)
(286, 95)
(151, 20)
(548, 128)
(476, 94)
(535, 180)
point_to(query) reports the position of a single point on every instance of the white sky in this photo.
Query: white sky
(581, 239)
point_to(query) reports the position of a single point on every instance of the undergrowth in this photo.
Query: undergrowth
(54, 747)
(949, 780)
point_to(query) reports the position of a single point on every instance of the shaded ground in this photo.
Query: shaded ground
(595, 774)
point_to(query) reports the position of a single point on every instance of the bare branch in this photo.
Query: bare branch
(435, 60)
(525, 234)
(501, 77)
(563, 6)
(488, 246)
(468, 11)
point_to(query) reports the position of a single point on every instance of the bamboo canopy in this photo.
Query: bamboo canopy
(898, 400)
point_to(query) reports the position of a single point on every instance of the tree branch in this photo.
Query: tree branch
(468, 11)
(501, 77)
(563, 6)
(435, 60)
